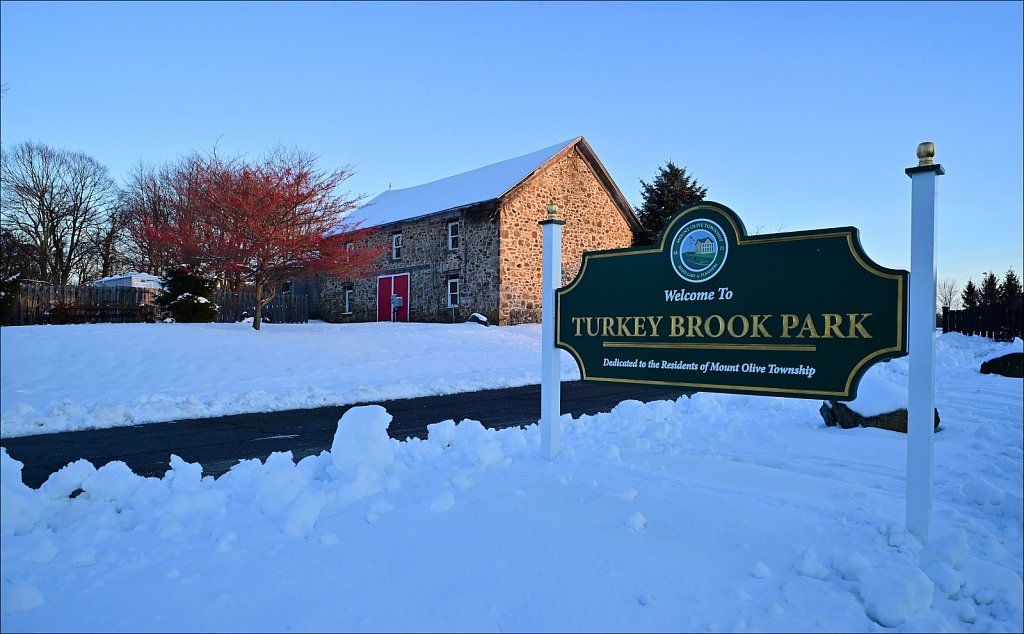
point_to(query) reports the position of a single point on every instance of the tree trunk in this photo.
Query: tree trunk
(258, 317)
(261, 302)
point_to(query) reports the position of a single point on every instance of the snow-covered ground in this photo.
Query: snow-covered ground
(111, 375)
(717, 512)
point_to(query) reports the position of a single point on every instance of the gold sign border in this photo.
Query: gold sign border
(850, 233)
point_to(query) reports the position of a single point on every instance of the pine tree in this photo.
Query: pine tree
(1010, 289)
(9, 287)
(970, 297)
(671, 190)
(989, 290)
(187, 296)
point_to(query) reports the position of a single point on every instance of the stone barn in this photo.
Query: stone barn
(470, 243)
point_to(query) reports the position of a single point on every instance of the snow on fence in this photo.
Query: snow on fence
(1001, 323)
(53, 304)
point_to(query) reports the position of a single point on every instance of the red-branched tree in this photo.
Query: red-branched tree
(175, 227)
(265, 222)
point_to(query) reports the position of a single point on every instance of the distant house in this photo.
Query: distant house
(470, 243)
(705, 245)
(136, 280)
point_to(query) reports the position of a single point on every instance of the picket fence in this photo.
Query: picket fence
(53, 304)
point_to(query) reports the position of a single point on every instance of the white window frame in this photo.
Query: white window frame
(348, 292)
(397, 244)
(454, 238)
(449, 294)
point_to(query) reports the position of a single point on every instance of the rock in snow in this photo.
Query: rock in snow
(837, 413)
(1011, 365)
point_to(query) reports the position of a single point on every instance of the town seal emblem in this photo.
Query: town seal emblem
(699, 250)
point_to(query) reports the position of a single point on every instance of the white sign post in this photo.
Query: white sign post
(550, 366)
(921, 340)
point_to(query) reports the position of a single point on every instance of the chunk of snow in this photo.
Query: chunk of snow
(894, 593)
(636, 522)
(362, 439)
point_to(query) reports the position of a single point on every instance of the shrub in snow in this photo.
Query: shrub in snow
(8, 293)
(187, 296)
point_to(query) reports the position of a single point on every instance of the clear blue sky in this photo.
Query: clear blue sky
(797, 116)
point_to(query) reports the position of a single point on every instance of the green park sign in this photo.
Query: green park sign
(708, 307)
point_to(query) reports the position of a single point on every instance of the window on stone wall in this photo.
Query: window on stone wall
(396, 246)
(453, 292)
(453, 235)
(348, 301)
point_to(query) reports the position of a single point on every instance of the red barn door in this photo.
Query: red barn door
(393, 297)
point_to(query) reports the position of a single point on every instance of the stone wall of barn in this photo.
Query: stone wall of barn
(480, 264)
(592, 222)
(430, 264)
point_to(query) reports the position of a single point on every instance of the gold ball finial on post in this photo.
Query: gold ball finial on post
(925, 154)
(552, 211)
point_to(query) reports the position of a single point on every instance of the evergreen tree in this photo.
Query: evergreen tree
(187, 295)
(970, 298)
(989, 290)
(671, 190)
(10, 276)
(1010, 288)
(9, 287)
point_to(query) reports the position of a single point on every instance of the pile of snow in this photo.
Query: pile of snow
(717, 512)
(883, 388)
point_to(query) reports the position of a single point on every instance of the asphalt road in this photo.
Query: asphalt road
(219, 443)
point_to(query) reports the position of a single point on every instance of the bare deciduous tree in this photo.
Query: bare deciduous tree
(146, 202)
(947, 293)
(56, 202)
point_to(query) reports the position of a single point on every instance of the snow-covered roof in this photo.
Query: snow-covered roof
(130, 279)
(476, 186)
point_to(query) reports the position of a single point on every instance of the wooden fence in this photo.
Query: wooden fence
(50, 304)
(284, 309)
(46, 303)
(1001, 323)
